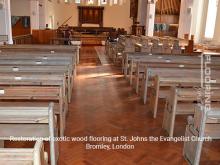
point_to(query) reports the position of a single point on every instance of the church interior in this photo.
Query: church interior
(109, 82)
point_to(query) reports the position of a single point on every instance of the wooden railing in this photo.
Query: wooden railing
(23, 39)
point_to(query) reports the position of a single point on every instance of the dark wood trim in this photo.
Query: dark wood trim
(91, 15)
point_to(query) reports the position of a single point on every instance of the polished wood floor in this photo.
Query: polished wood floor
(103, 104)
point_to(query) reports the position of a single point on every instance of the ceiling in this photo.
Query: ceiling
(169, 7)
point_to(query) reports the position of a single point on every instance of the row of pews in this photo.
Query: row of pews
(36, 83)
(162, 45)
(159, 68)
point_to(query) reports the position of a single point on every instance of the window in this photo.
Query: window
(211, 18)
(77, 1)
(103, 2)
(90, 2)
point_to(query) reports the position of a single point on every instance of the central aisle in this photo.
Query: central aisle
(103, 104)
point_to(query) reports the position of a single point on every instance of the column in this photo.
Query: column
(5, 18)
(42, 14)
(185, 19)
(216, 38)
(34, 7)
(151, 6)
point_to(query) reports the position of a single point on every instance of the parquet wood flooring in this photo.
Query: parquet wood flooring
(88, 56)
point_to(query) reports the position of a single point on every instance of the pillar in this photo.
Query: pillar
(34, 7)
(151, 7)
(5, 18)
(185, 19)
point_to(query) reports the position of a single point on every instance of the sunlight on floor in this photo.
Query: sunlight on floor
(97, 75)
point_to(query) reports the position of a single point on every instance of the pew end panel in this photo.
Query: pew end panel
(39, 122)
(24, 156)
(204, 125)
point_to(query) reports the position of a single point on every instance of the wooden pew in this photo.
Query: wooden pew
(26, 86)
(44, 63)
(186, 79)
(149, 57)
(205, 123)
(41, 57)
(176, 48)
(145, 71)
(114, 51)
(29, 122)
(78, 45)
(157, 47)
(151, 75)
(43, 69)
(40, 48)
(145, 57)
(125, 44)
(44, 48)
(162, 45)
(165, 59)
(164, 70)
(181, 102)
(170, 61)
(24, 156)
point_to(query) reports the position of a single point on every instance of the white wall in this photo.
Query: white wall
(5, 18)
(216, 38)
(190, 18)
(114, 16)
(20, 7)
(118, 16)
(199, 10)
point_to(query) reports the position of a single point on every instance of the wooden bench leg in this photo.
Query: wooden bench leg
(137, 79)
(145, 86)
(123, 63)
(126, 67)
(78, 51)
(1, 143)
(173, 112)
(156, 96)
(62, 111)
(52, 130)
(70, 81)
(131, 73)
